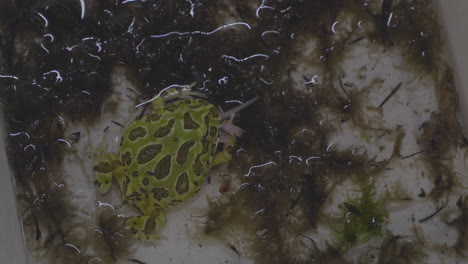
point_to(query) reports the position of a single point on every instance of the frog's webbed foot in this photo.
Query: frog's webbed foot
(231, 129)
(229, 132)
(145, 226)
(105, 167)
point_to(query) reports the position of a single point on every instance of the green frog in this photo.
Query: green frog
(165, 155)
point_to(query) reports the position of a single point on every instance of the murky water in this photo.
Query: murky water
(353, 154)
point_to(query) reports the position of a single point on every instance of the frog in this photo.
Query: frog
(165, 155)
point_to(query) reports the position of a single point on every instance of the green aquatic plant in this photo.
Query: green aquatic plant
(362, 219)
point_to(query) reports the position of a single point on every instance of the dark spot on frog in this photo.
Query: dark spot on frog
(163, 168)
(198, 166)
(153, 117)
(189, 123)
(127, 158)
(103, 167)
(202, 102)
(148, 153)
(135, 174)
(164, 130)
(175, 139)
(97, 184)
(137, 133)
(213, 132)
(215, 112)
(145, 181)
(159, 193)
(206, 144)
(182, 185)
(183, 151)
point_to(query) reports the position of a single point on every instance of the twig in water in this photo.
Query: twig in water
(233, 248)
(434, 213)
(117, 123)
(356, 40)
(137, 261)
(413, 154)
(390, 95)
(342, 87)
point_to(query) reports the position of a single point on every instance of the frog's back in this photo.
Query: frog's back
(166, 154)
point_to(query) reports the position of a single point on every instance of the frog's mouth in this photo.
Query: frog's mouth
(197, 96)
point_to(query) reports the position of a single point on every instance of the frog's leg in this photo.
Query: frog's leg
(145, 226)
(105, 167)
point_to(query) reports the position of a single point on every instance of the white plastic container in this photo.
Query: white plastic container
(453, 17)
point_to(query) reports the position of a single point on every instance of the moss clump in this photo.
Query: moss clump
(362, 219)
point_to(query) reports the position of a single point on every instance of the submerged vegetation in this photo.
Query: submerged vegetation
(363, 218)
(316, 130)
